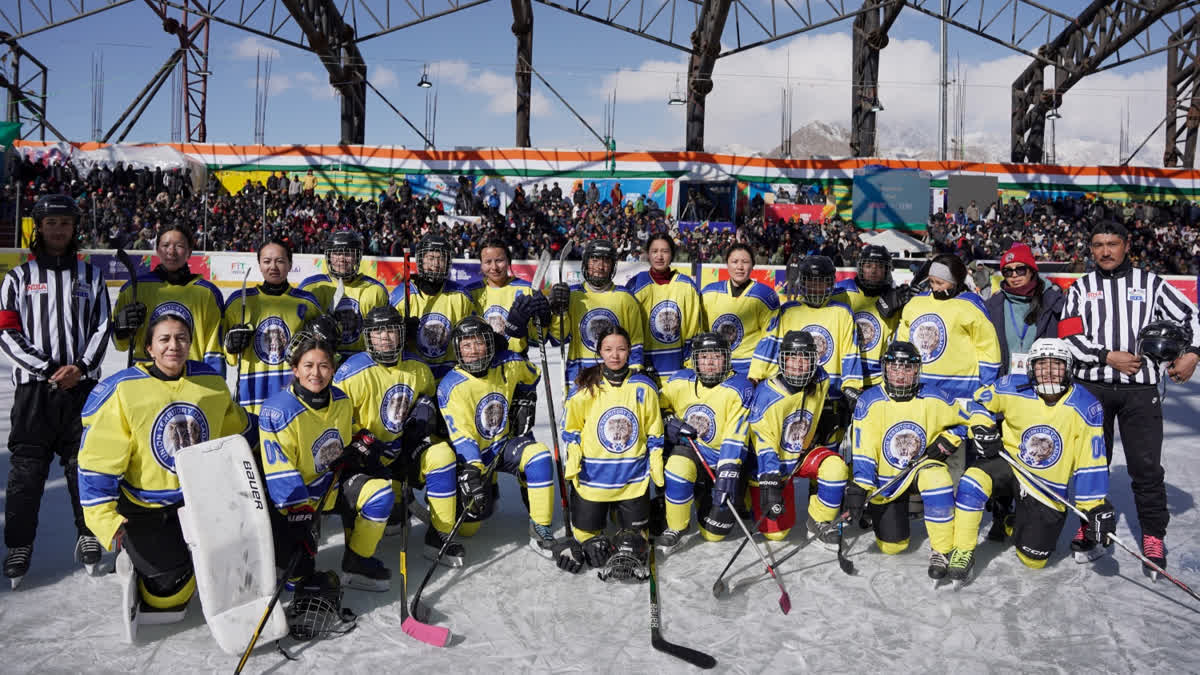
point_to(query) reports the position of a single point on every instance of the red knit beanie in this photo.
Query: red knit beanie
(1019, 253)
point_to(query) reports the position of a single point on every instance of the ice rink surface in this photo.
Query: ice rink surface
(510, 610)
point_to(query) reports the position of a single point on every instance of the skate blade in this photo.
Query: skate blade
(148, 617)
(364, 583)
(431, 554)
(15, 581)
(1084, 557)
(538, 548)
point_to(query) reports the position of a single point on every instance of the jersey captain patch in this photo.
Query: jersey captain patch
(1041, 446)
(271, 337)
(617, 430)
(178, 426)
(903, 443)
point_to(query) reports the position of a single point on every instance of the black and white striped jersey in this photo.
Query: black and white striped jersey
(1105, 313)
(53, 316)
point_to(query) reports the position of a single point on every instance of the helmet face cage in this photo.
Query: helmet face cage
(1050, 375)
(712, 364)
(343, 270)
(316, 608)
(895, 365)
(863, 277)
(433, 260)
(797, 365)
(816, 288)
(485, 351)
(377, 339)
(603, 276)
(322, 329)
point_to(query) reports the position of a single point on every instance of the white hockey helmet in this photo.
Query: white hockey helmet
(1056, 380)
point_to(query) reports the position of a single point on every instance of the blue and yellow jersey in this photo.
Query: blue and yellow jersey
(614, 439)
(874, 331)
(587, 315)
(300, 445)
(720, 415)
(783, 424)
(889, 435)
(832, 329)
(959, 349)
(198, 302)
(672, 315)
(1056, 443)
(742, 319)
(382, 395)
(360, 295)
(476, 409)
(133, 423)
(493, 304)
(439, 314)
(275, 319)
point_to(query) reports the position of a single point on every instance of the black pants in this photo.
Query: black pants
(1035, 526)
(1138, 409)
(155, 543)
(45, 423)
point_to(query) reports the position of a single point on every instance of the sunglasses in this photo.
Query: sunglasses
(1019, 270)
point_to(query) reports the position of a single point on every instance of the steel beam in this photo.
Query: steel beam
(1183, 95)
(26, 91)
(522, 28)
(332, 39)
(706, 46)
(869, 37)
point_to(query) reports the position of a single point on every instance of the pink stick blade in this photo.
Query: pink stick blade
(785, 603)
(431, 635)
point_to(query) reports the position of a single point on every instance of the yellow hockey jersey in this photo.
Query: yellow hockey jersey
(361, 295)
(1055, 442)
(720, 415)
(874, 331)
(672, 315)
(588, 313)
(275, 319)
(614, 439)
(889, 434)
(439, 314)
(133, 423)
(198, 302)
(476, 409)
(783, 424)
(957, 341)
(382, 395)
(494, 303)
(299, 445)
(742, 319)
(833, 332)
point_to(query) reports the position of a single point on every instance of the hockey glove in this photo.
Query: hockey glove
(987, 440)
(855, 501)
(725, 486)
(300, 527)
(472, 493)
(569, 556)
(851, 395)
(597, 551)
(126, 322)
(560, 298)
(770, 495)
(677, 429)
(421, 418)
(940, 449)
(1102, 521)
(238, 338)
(524, 309)
(524, 411)
(893, 300)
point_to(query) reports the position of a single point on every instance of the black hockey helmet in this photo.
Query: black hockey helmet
(321, 328)
(1163, 341)
(814, 277)
(901, 355)
(431, 268)
(55, 205)
(874, 254)
(601, 249)
(343, 242)
(469, 328)
(797, 343)
(379, 322)
(711, 343)
(316, 608)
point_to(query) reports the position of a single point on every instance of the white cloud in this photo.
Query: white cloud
(500, 89)
(382, 77)
(315, 86)
(251, 46)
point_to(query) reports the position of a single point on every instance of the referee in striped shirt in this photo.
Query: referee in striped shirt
(1104, 312)
(54, 328)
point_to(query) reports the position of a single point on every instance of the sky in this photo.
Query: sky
(470, 58)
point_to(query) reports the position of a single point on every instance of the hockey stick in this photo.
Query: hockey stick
(123, 258)
(1037, 482)
(245, 278)
(785, 600)
(407, 279)
(338, 294)
(287, 573)
(696, 658)
(415, 609)
(438, 636)
(562, 319)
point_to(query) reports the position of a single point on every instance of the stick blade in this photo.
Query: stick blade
(785, 602)
(696, 658)
(720, 588)
(438, 636)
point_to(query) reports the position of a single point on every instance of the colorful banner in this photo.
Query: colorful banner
(804, 213)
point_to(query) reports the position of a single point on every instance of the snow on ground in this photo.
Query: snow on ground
(512, 611)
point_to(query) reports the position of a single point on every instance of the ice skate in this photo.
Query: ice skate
(825, 533)
(455, 554)
(961, 564)
(88, 553)
(1084, 548)
(1156, 550)
(16, 563)
(938, 567)
(365, 574)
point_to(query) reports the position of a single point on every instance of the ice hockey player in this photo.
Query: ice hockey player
(436, 305)
(54, 329)
(614, 438)
(670, 309)
(784, 423)
(502, 296)
(361, 293)
(831, 324)
(740, 309)
(395, 414)
(873, 279)
(1057, 435)
(709, 405)
(581, 312)
(900, 424)
(488, 402)
(306, 435)
(171, 288)
(133, 423)
(259, 337)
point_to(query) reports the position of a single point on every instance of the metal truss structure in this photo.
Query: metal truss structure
(1109, 33)
(26, 87)
(1183, 95)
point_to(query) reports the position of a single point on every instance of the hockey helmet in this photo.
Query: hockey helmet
(343, 243)
(321, 328)
(1050, 379)
(474, 344)
(1163, 341)
(55, 205)
(814, 276)
(874, 269)
(316, 608)
(712, 359)
(433, 258)
(797, 358)
(383, 333)
(599, 275)
(901, 370)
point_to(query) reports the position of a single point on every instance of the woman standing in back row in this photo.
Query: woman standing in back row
(739, 308)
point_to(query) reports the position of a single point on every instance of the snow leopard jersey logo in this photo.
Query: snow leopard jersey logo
(177, 426)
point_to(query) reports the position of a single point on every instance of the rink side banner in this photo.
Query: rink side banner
(227, 269)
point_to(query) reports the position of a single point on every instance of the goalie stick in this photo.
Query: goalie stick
(696, 658)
